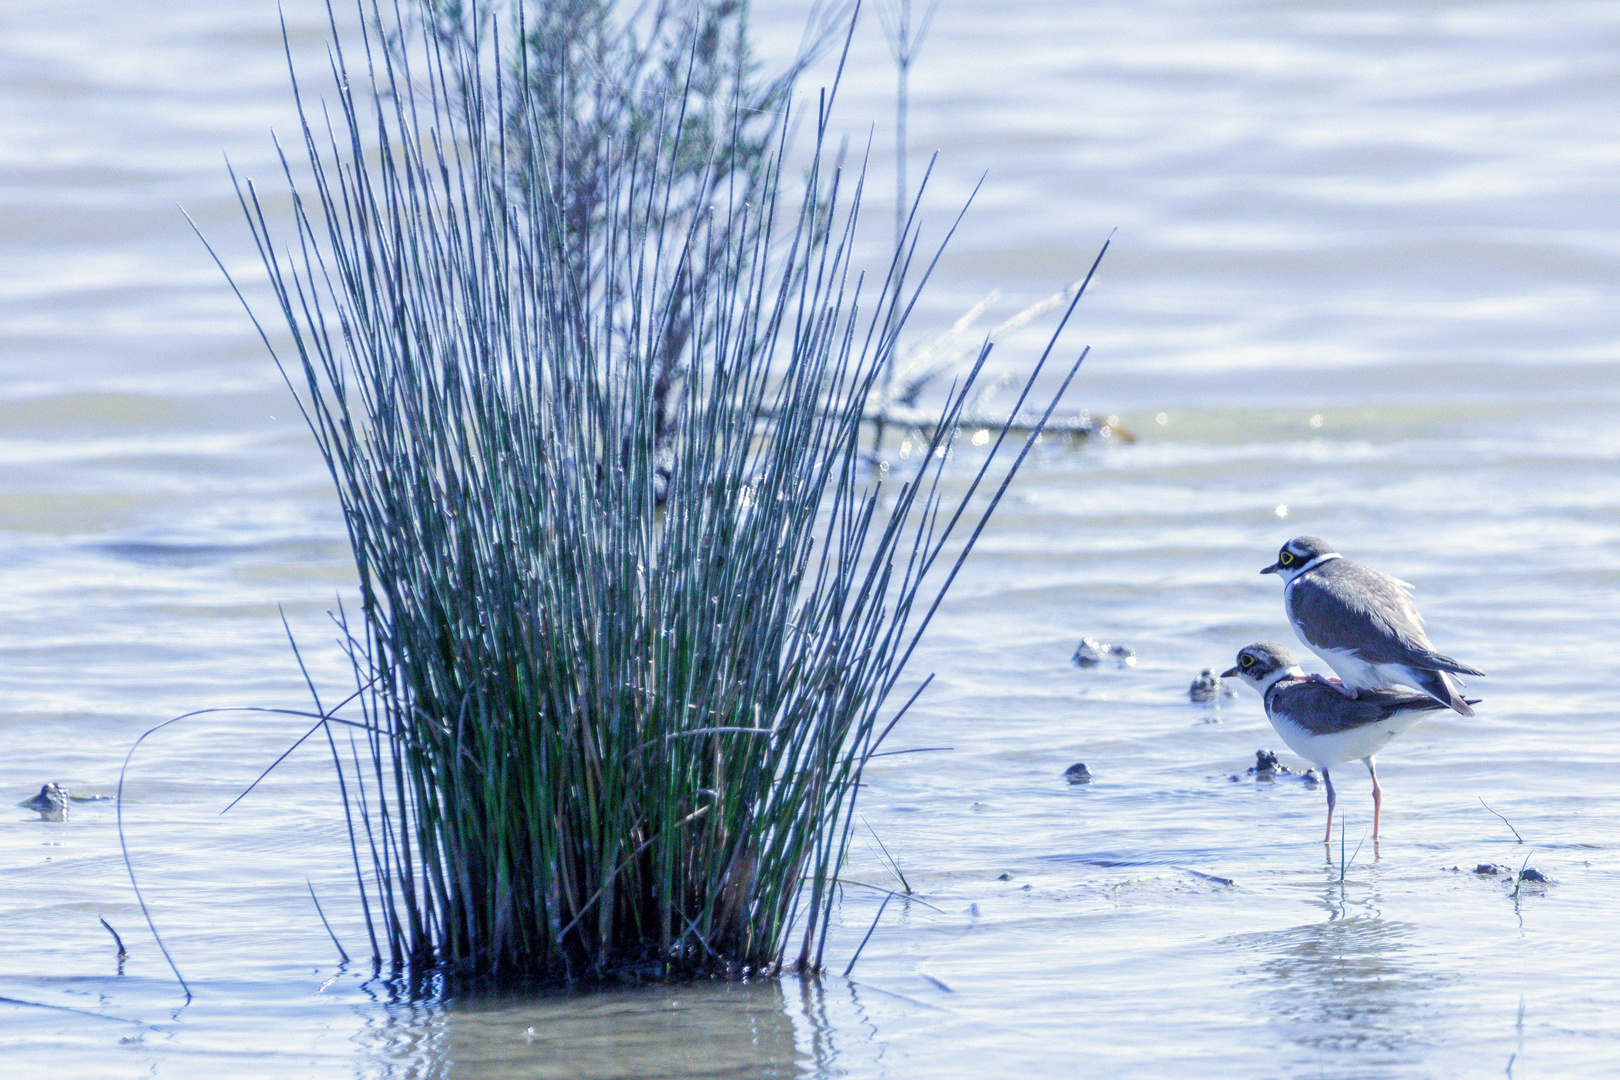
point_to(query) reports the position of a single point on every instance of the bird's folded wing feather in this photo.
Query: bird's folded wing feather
(1331, 712)
(1347, 606)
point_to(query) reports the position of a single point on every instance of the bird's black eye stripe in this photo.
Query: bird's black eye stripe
(1246, 660)
(1286, 558)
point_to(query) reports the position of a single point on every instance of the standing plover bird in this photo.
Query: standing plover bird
(1320, 724)
(1363, 624)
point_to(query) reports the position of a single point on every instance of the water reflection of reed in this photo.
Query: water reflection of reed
(1350, 982)
(689, 1032)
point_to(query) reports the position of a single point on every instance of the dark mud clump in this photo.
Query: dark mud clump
(1528, 876)
(1092, 652)
(1267, 767)
(1077, 773)
(51, 802)
(1209, 687)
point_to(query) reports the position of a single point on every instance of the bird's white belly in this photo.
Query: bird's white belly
(1341, 746)
(1359, 673)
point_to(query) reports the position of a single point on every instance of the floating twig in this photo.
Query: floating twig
(121, 952)
(1207, 877)
(1505, 821)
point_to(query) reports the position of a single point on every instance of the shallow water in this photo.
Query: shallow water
(1363, 286)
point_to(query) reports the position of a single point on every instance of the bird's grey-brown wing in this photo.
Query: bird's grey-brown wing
(1343, 605)
(1324, 711)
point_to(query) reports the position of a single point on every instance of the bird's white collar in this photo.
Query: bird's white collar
(1271, 680)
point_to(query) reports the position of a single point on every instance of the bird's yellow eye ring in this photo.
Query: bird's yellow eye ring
(1286, 558)
(1246, 660)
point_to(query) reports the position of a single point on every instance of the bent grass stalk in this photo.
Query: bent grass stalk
(619, 674)
(1516, 837)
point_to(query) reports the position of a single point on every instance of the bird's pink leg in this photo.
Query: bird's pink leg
(1327, 837)
(1378, 794)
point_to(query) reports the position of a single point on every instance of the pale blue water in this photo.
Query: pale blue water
(1397, 218)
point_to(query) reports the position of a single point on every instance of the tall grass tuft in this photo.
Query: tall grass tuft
(619, 672)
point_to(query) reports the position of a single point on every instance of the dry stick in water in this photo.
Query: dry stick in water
(904, 41)
(1505, 821)
(121, 953)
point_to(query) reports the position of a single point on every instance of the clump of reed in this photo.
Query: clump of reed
(633, 601)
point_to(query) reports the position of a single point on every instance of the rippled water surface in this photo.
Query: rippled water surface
(1364, 285)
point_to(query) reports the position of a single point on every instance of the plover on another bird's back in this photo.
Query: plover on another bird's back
(1363, 624)
(1320, 724)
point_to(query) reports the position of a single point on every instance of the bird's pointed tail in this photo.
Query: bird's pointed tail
(1438, 686)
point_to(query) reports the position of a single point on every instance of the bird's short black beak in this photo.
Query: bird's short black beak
(1272, 569)
(1229, 672)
